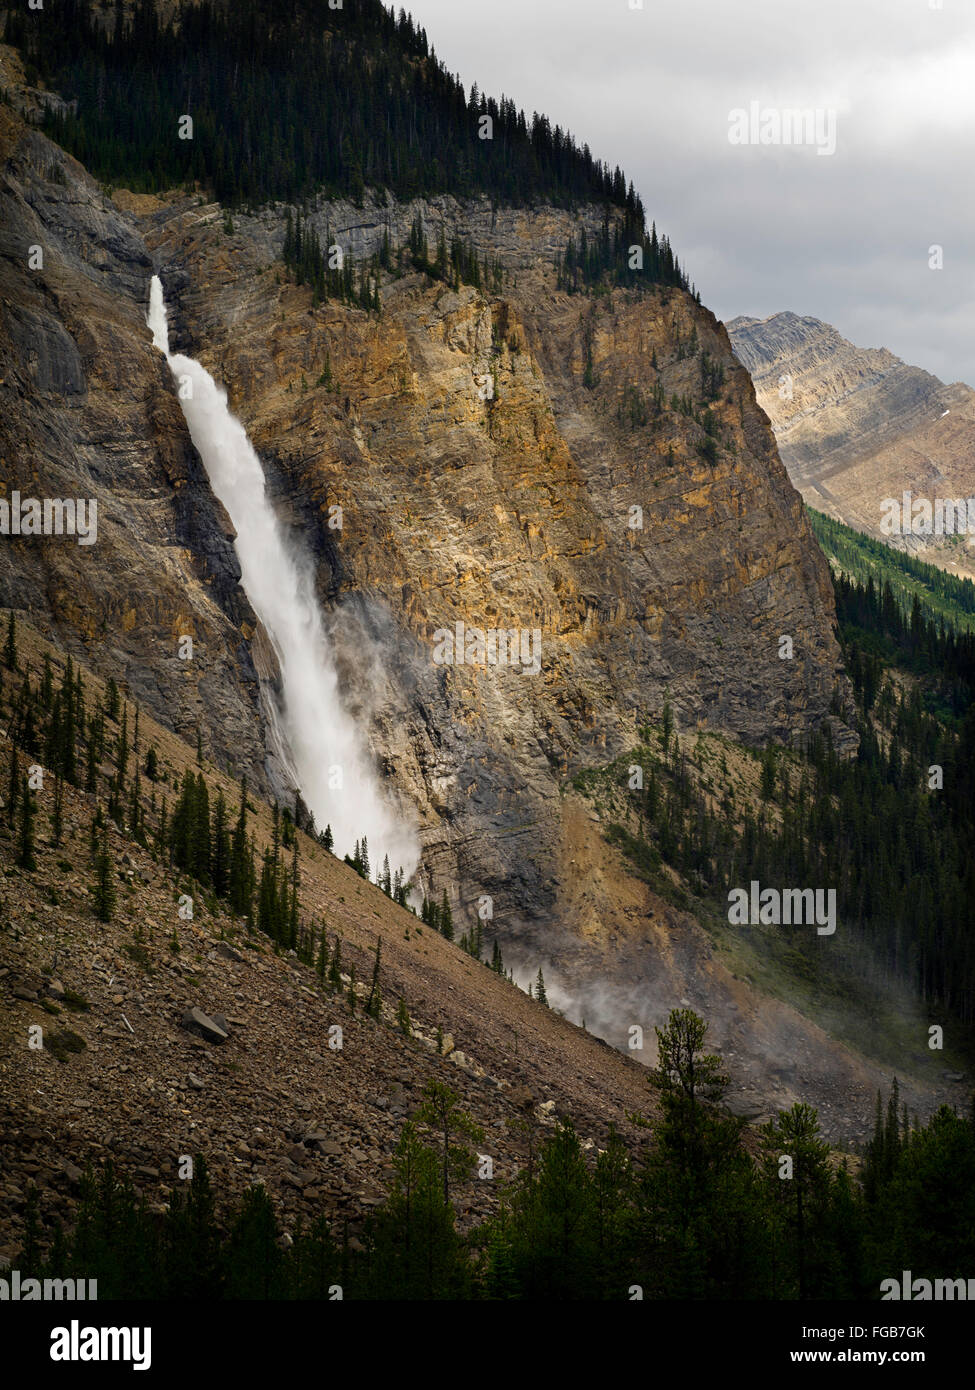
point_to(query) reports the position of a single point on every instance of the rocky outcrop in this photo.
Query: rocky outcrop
(521, 459)
(87, 410)
(512, 507)
(855, 425)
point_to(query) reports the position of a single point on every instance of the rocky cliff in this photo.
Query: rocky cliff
(855, 425)
(511, 508)
(87, 410)
(593, 468)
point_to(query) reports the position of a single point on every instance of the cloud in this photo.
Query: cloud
(760, 229)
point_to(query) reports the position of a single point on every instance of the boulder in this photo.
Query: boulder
(212, 1029)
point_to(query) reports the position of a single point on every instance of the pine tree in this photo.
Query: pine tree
(795, 1133)
(111, 699)
(446, 918)
(374, 1003)
(103, 896)
(220, 838)
(540, 994)
(327, 838)
(10, 646)
(293, 903)
(240, 884)
(441, 1113)
(497, 960)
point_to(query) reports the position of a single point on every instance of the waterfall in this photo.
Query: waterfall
(317, 740)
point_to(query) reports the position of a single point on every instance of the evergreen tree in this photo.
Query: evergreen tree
(10, 646)
(441, 1113)
(792, 1147)
(103, 894)
(112, 699)
(240, 882)
(414, 1250)
(446, 918)
(220, 840)
(374, 1003)
(254, 1263)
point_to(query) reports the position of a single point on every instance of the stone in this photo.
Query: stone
(196, 1021)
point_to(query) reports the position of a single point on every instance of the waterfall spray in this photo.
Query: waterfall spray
(316, 738)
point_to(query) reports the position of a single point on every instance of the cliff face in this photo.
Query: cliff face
(855, 425)
(491, 454)
(87, 411)
(511, 507)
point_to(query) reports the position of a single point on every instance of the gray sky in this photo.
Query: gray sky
(844, 237)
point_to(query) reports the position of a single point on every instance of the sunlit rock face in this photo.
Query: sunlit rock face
(516, 461)
(857, 425)
(498, 462)
(88, 410)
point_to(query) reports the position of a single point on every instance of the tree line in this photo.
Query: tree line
(697, 1211)
(890, 829)
(51, 726)
(289, 100)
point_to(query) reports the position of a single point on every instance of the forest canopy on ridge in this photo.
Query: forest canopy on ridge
(287, 100)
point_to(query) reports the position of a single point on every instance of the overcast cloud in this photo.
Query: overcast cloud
(843, 237)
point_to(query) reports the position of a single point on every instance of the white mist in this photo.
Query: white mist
(323, 743)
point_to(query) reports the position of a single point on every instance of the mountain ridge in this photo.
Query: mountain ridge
(856, 425)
